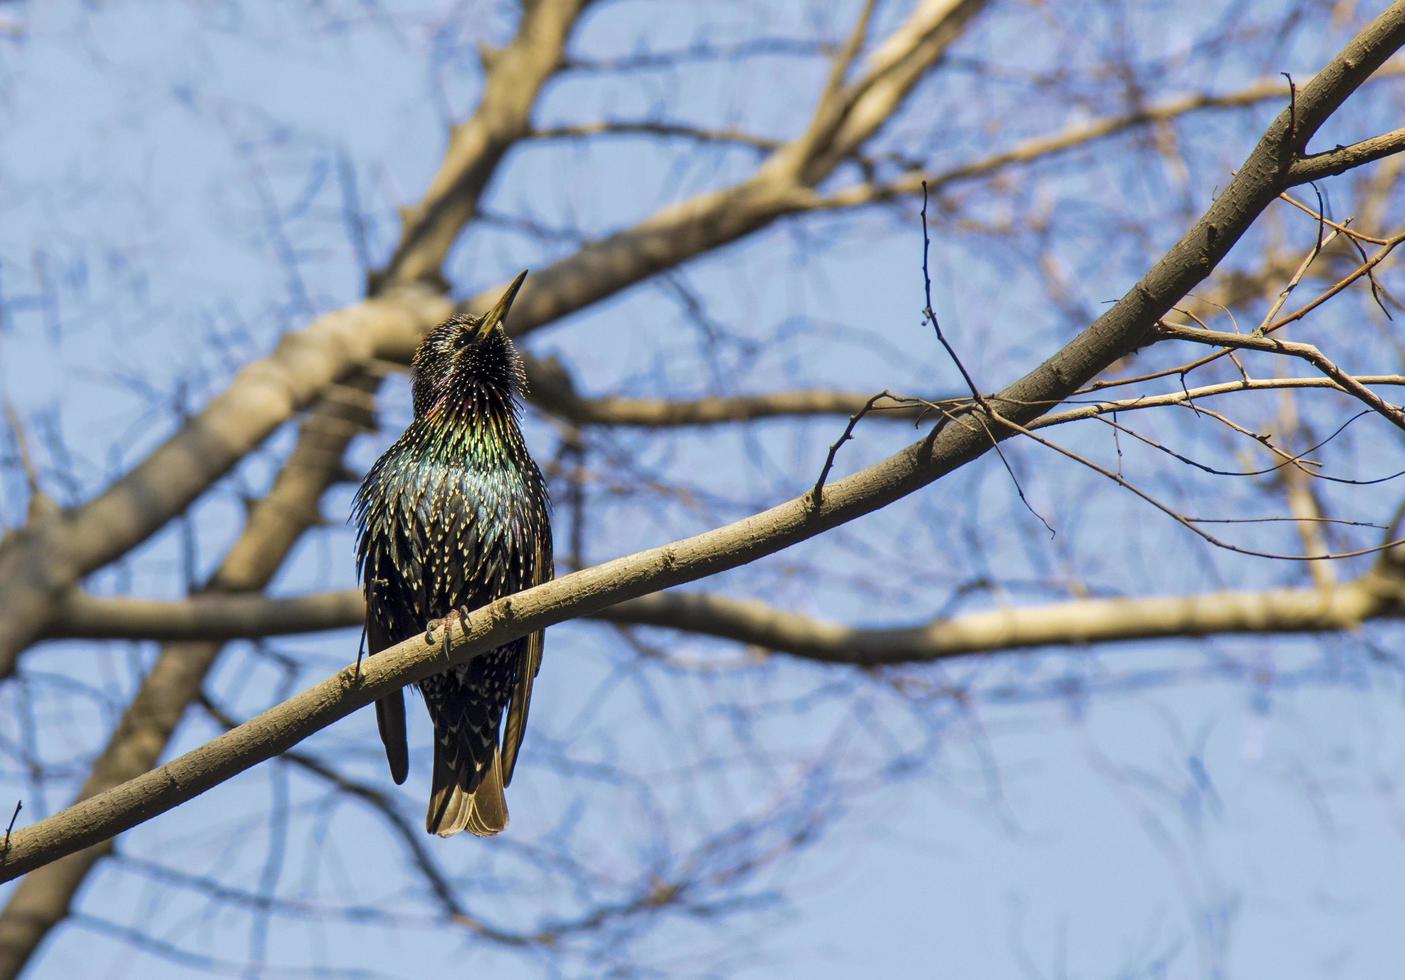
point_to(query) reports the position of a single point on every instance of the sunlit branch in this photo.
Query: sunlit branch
(748, 621)
(1086, 133)
(1306, 352)
(671, 130)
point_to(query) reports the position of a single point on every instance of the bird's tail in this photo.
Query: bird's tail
(481, 811)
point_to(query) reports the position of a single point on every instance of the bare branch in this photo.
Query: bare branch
(553, 392)
(1074, 137)
(1306, 352)
(514, 78)
(672, 130)
(1190, 523)
(1081, 621)
(1338, 161)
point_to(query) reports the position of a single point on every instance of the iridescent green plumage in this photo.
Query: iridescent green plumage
(452, 517)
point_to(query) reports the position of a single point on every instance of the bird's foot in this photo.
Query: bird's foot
(446, 623)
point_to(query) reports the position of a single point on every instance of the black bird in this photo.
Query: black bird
(452, 517)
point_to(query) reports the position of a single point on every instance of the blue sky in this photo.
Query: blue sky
(175, 184)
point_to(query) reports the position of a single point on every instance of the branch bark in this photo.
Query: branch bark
(1330, 163)
(1080, 621)
(553, 392)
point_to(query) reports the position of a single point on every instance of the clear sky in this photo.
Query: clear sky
(175, 185)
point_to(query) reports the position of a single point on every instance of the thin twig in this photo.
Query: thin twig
(1287, 290)
(1190, 523)
(1364, 269)
(5, 847)
(1354, 237)
(1338, 226)
(816, 494)
(930, 315)
(1307, 352)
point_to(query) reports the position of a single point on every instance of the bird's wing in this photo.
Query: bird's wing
(528, 663)
(390, 710)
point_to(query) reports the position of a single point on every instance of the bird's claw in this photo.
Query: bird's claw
(446, 623)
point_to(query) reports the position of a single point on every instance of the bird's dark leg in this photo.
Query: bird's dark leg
(446, 623)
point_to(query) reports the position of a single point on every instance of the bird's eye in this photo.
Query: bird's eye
(461, 340)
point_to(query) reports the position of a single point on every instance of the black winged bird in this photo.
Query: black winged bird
(452, 517)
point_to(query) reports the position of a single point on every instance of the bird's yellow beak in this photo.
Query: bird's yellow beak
(494, 318)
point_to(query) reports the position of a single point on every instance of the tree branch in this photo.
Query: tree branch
(1084, 133)
(1080, 621)
(553, 391)
(645, 127)
(1338, 161)
(513, 79)
(1307, 352)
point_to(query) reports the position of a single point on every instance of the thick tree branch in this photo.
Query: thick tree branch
(1081, 621)
(513, 79)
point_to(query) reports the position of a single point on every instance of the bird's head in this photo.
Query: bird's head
(466, 356)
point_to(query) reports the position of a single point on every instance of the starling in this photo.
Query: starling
(454, 516)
